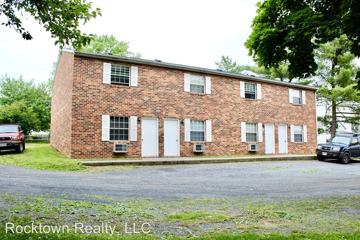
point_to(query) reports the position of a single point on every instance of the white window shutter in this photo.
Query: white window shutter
(242, 89)
(133, 129)
(187, 130)
(107, 73)
(290, 96)
(260, 132)
(208, 131)
(258, 91)
(105, 128)
(303, 97)
(292, 133)
(243, 131)
(305, 133)
(208, 85)
(134, 75)
(187, 82)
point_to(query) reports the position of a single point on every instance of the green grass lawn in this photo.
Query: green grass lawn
(228, 218)
(41, 156)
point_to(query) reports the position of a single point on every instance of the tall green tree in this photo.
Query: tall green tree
(19, 97)
(336, 75)
(108, 44)
(290, 30)
(62, 18)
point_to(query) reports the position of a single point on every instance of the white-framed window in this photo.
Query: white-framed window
(197, 130)
(251, 132)
(250, 90)
(297, 96)
(197, 83)
(298, 133)
(119, 128)
(120, 74)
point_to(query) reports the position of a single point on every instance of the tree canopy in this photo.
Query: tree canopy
(108, 44)
(290, 30)
(61, 18)
(25, 103)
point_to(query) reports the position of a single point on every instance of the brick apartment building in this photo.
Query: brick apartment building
(162, 109)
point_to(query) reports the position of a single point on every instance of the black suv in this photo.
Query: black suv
(344, 147)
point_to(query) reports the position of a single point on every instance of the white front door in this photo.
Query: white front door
(171, 138)
(282, 138)
(149, 137)
(269, 139)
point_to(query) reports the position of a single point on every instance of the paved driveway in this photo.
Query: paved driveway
(270, 180)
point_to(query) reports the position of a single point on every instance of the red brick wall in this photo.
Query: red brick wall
(160, 94)
(61, 116)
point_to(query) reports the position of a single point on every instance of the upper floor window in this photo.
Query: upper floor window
(197, 130)
(197, 84)
(120, 74)
(119, 128)
(251, 132)
(250, 90)
(297, 97)
(298, 133)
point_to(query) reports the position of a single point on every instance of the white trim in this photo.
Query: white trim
(134, 76)
(305, 138)
(260, 132)
(243, 131)
(292, 138)
(107, 73)
(242, 89)
(186, 82)
(303, 97)
(208, 130)
(258, 91)
(208, 85)
(105, 128)
(290, 95)
(187, 128)
(133, 128)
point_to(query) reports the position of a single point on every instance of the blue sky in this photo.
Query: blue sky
(180, 31)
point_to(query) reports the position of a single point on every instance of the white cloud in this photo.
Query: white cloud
(187, 32)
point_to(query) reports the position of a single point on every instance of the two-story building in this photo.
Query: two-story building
(153, 108)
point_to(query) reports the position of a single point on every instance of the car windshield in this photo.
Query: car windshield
(8, 129)
(341, 140)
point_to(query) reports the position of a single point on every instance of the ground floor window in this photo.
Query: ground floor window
(251, 132)
(197, 131)
(119, 128)
(298, 133)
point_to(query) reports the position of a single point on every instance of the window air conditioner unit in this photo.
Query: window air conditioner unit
(120, 148)
(252, 147)
(199, 148)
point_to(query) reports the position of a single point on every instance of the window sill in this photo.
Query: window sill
(199, 94)
(118, 141)
(250, 99)
(118, 85)
(195, 142)
(297, 104)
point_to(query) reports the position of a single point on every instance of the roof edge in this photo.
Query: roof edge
(189, 68)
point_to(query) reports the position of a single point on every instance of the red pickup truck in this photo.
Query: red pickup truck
(11, 138)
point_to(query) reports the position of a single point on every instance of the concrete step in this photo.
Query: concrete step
(196, 160)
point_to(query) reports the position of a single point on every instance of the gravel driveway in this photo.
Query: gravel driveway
(268, 180)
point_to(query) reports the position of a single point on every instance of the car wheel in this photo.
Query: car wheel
(345, 159)
(21, 148)
(320, 158)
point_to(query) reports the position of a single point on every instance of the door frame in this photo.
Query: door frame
(178, 135)
(286, 137)
(273, 125)
(157, 135)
